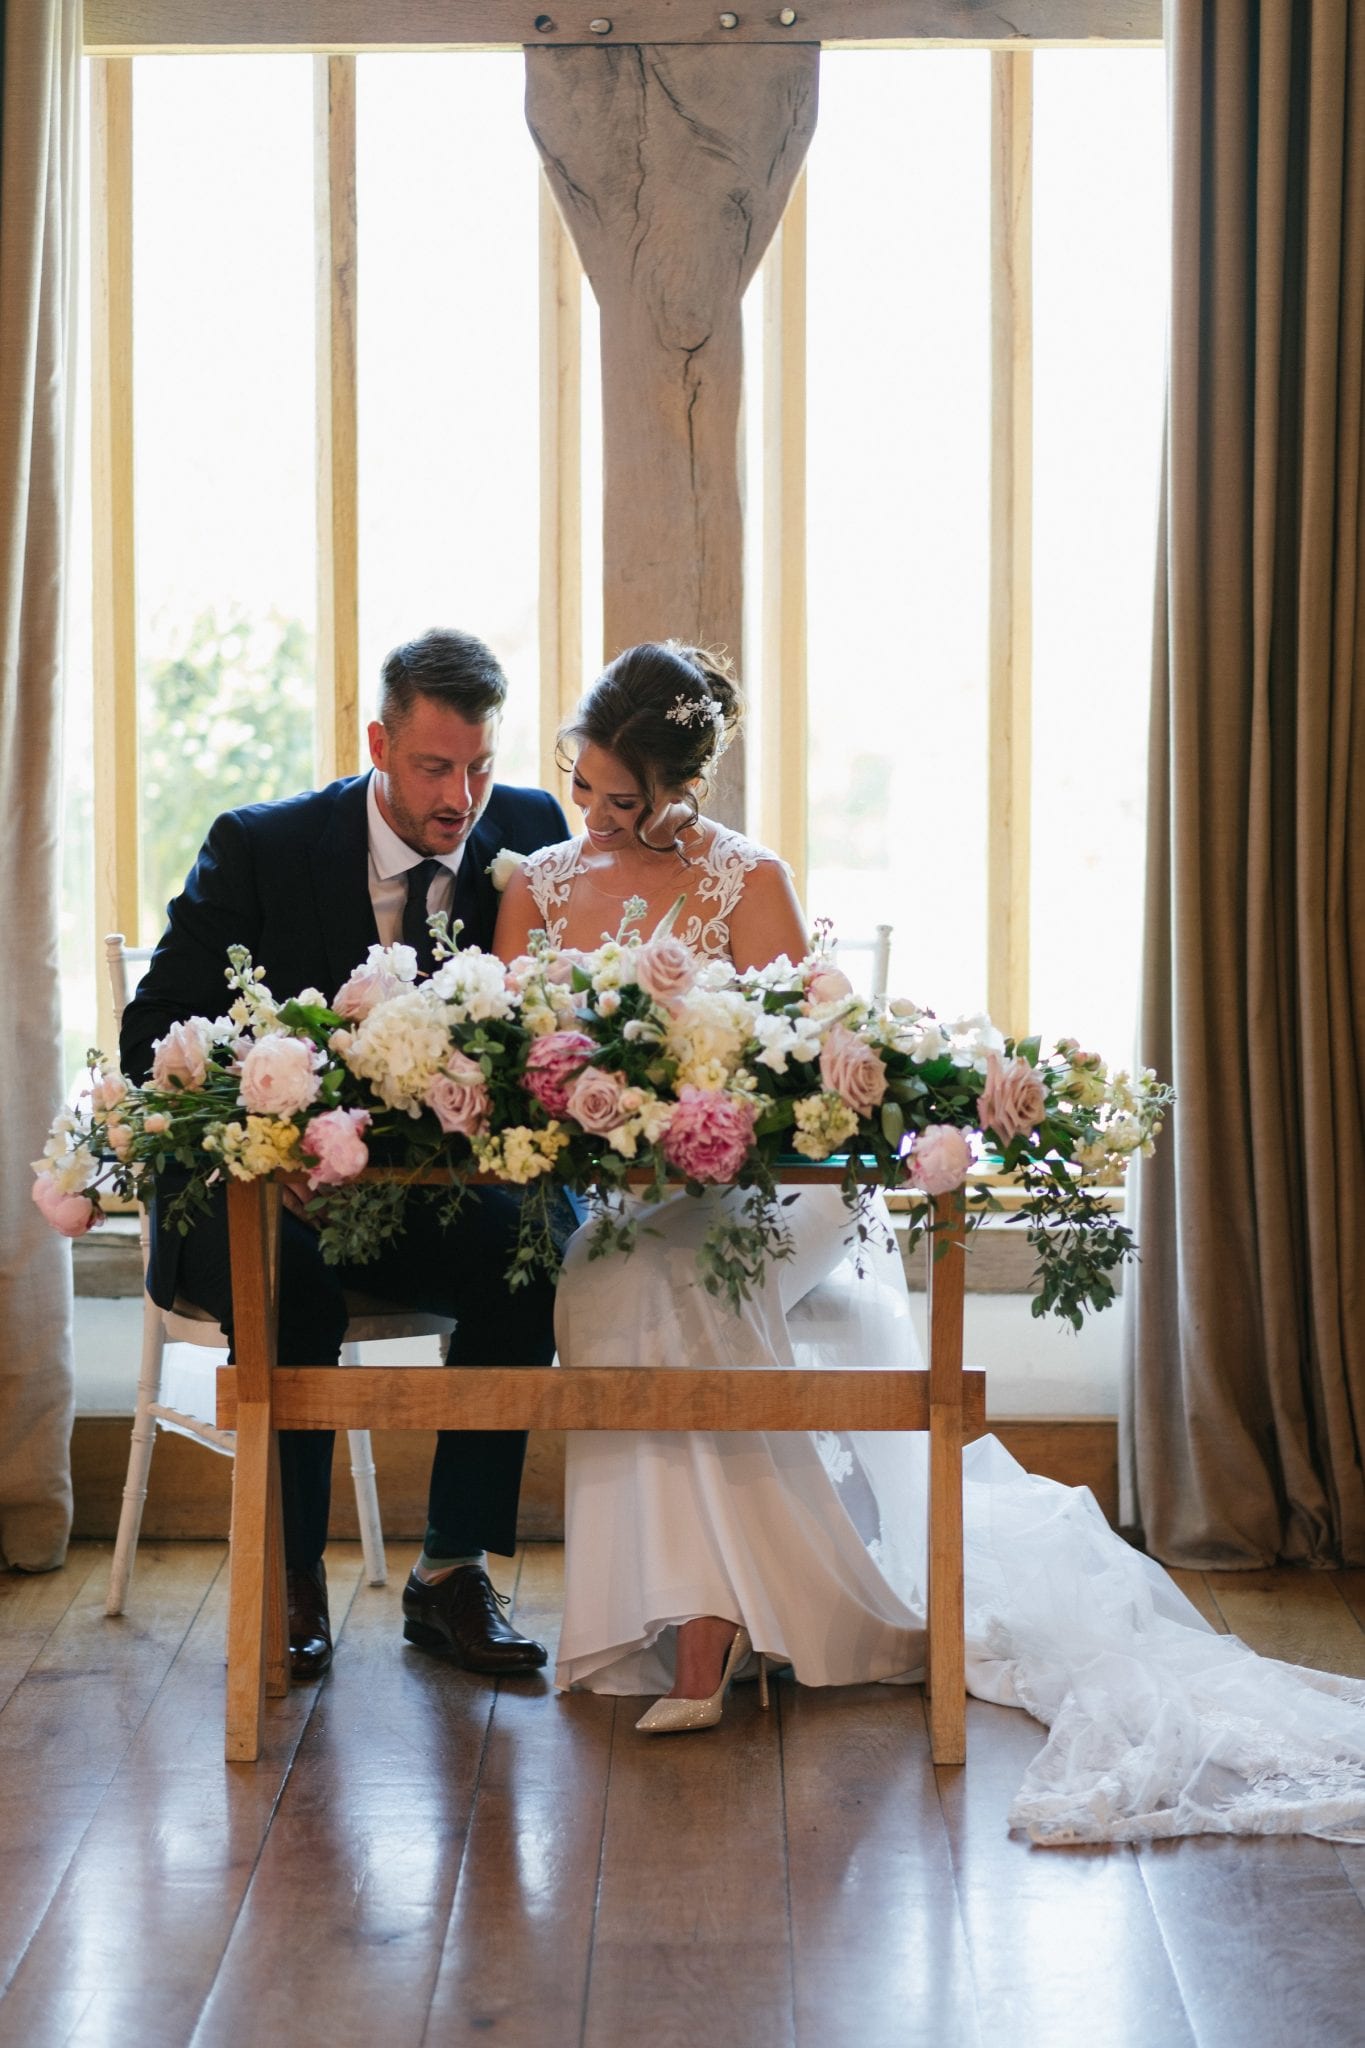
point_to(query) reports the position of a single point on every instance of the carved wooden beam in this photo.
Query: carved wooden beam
(672, 167)
(119, 28)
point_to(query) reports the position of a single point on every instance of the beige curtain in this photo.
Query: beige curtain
(1245, 1417)
(38, 130)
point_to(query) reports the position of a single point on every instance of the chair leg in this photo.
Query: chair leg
(366, 1495)
(139, 1456)
(367, 1507)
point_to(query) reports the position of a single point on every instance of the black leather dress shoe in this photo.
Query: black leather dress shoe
(462, 1617)
(310, 1627)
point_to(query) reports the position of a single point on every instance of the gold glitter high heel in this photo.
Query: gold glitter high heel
(681, 1717)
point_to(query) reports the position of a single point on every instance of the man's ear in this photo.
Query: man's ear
(379, 742)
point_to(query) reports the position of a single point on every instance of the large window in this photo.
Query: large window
(476, 492)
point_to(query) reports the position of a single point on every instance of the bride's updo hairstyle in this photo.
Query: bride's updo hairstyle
(667, 712)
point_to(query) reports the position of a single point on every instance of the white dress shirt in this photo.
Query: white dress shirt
(390, 860)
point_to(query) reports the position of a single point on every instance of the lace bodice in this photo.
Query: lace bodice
(716, 883)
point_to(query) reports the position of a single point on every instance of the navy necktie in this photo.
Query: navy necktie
(415, 931)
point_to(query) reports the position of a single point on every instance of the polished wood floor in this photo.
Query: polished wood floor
(422, 1857)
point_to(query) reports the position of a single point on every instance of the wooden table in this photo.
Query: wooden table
(256, 1398)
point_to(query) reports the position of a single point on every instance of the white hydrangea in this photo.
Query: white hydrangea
(400, 1048)
(706, 1034)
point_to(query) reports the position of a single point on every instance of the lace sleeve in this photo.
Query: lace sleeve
(726, 865)
(549, 874)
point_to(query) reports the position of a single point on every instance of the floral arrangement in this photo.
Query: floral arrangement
(636, 1064)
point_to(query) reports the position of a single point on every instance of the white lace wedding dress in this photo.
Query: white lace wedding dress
(1158, 1725)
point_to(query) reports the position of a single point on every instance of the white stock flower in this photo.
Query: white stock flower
(972, 1039)
(473, 985)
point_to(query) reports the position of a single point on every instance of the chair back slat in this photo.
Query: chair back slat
(119, 957)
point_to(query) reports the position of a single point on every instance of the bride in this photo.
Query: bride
(689, 1555)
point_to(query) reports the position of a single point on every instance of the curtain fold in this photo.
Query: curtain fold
(1244, 1412)
(39, 101)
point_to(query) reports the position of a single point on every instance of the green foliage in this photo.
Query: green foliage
(227, 719)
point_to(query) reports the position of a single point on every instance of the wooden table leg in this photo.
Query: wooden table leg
(947, 1650)
(255, 1584)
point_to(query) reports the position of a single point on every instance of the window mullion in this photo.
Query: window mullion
(114, 594)
(783, 772)
(338, 642)
(561, 505)
(1011, 540)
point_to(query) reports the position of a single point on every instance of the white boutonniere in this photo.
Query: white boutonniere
(503, 866)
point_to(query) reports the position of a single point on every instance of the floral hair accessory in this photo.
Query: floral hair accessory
(686, 709)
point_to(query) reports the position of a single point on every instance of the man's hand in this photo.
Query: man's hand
(297, 1196)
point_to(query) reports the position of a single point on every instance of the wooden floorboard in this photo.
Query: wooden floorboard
(871, 1874)
(517, 1950)
(1300, 1617)
(1064, 1945)
(692, 1940)
(186, 1832)
(422, 1856)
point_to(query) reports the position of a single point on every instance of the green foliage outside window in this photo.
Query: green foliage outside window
(226, 720)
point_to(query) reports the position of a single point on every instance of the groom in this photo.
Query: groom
(307, 885)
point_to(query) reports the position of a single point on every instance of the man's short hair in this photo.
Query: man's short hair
(452, 668)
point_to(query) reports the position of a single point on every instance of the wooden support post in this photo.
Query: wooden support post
(947, 1660)
(672, 166)
(117, 841)
(337, 710)
(1011, 585)
(256, 1619)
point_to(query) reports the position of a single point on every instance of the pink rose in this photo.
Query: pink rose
(72, 1215)
(279, 1076)
(940, 1160)
(560, 970)
(551, 1064)
(108, 1090)
(334, 1140)
(851, 1070)
(594, 1100)
(665, 969)
(459, 1097)
(368, 986)
(179, 1060)
(828, 985)
(1012, 1100)
(709, 1135)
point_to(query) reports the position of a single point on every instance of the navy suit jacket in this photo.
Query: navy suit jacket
(290, 881)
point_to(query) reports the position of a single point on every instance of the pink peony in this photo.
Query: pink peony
(72, 1215)
(334, 1140)
(709, 1135)
(551, 1064)
(179, 1059)
(665, 969)
(279, 1076)
(940, 1160)
(1012, 1100)
(459, 1097)
(594, 1100)
(828, 985)
(852, 1071)
(367, 987)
